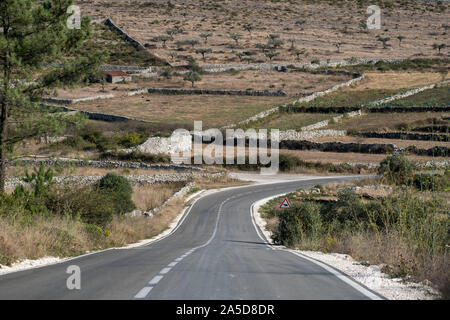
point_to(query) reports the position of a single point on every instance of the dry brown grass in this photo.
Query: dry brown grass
(392, 251)
(291, 82)
(38, 236)
(396, 80)
(49, 236)
(151, 196)
(214, 111)
(126, 230)
(335, 157)
(397, 142)
(18, 171)
(384, 121)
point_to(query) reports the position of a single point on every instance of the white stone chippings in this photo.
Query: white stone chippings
(310, 134)
(370, 276)
(374, 278)
(29, 264)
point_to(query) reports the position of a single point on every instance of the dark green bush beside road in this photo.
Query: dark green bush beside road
(407, 230)
(404, 231)
(95, 204)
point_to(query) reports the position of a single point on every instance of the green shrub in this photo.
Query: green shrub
(298, 222)
(288, 162)
(432, 182)
(90, 204)
(397, 169)
(119, 190)
(115, 183)
(129, 140)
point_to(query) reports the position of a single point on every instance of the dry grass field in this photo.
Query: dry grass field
(315, 26)
(292, 83)
(385, 121)
(397, 142)
(348, 157)
(214, 110)
(398, 80)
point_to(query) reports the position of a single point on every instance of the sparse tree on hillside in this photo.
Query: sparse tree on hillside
(249, 59)
(172, 32)
(400, 39)
(249, 28)
(192, 77)
(298, 52)
(439, 47)
(192, 43)
(292, 41)
(172, 55)
(338, 46)
(34, 33)
(203, 52)
(384, 41)
(236, 37)
(263, 47)
(205, 36)
(272, 54)
(164, 38)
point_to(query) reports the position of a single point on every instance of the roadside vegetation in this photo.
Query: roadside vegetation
(399, 220)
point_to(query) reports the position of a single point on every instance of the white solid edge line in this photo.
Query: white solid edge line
(143, 293)
(345, 278)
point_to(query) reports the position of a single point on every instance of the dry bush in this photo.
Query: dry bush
(126, 230)
(152, 196)
(43, 237)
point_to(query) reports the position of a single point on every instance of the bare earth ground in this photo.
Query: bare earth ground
(317, 156)
(397, 142)
(320, 24)
(335, 157)
(292, 83)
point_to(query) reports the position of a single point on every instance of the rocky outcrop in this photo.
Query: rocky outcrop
(157, 145)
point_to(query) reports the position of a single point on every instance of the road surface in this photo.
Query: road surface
(215, 253)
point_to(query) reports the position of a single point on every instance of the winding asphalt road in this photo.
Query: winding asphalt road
(215, 253)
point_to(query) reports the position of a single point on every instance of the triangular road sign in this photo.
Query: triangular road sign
(285, 204)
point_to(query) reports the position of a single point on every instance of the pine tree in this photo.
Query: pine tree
(37, 53)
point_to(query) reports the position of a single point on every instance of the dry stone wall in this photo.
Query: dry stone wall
(404, 136)
(137, 180)
(217, 92)
(102, 164)
(309, 98)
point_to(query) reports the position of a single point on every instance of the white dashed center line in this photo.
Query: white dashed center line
(143, 293)
(155, 280)
(165, 270)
